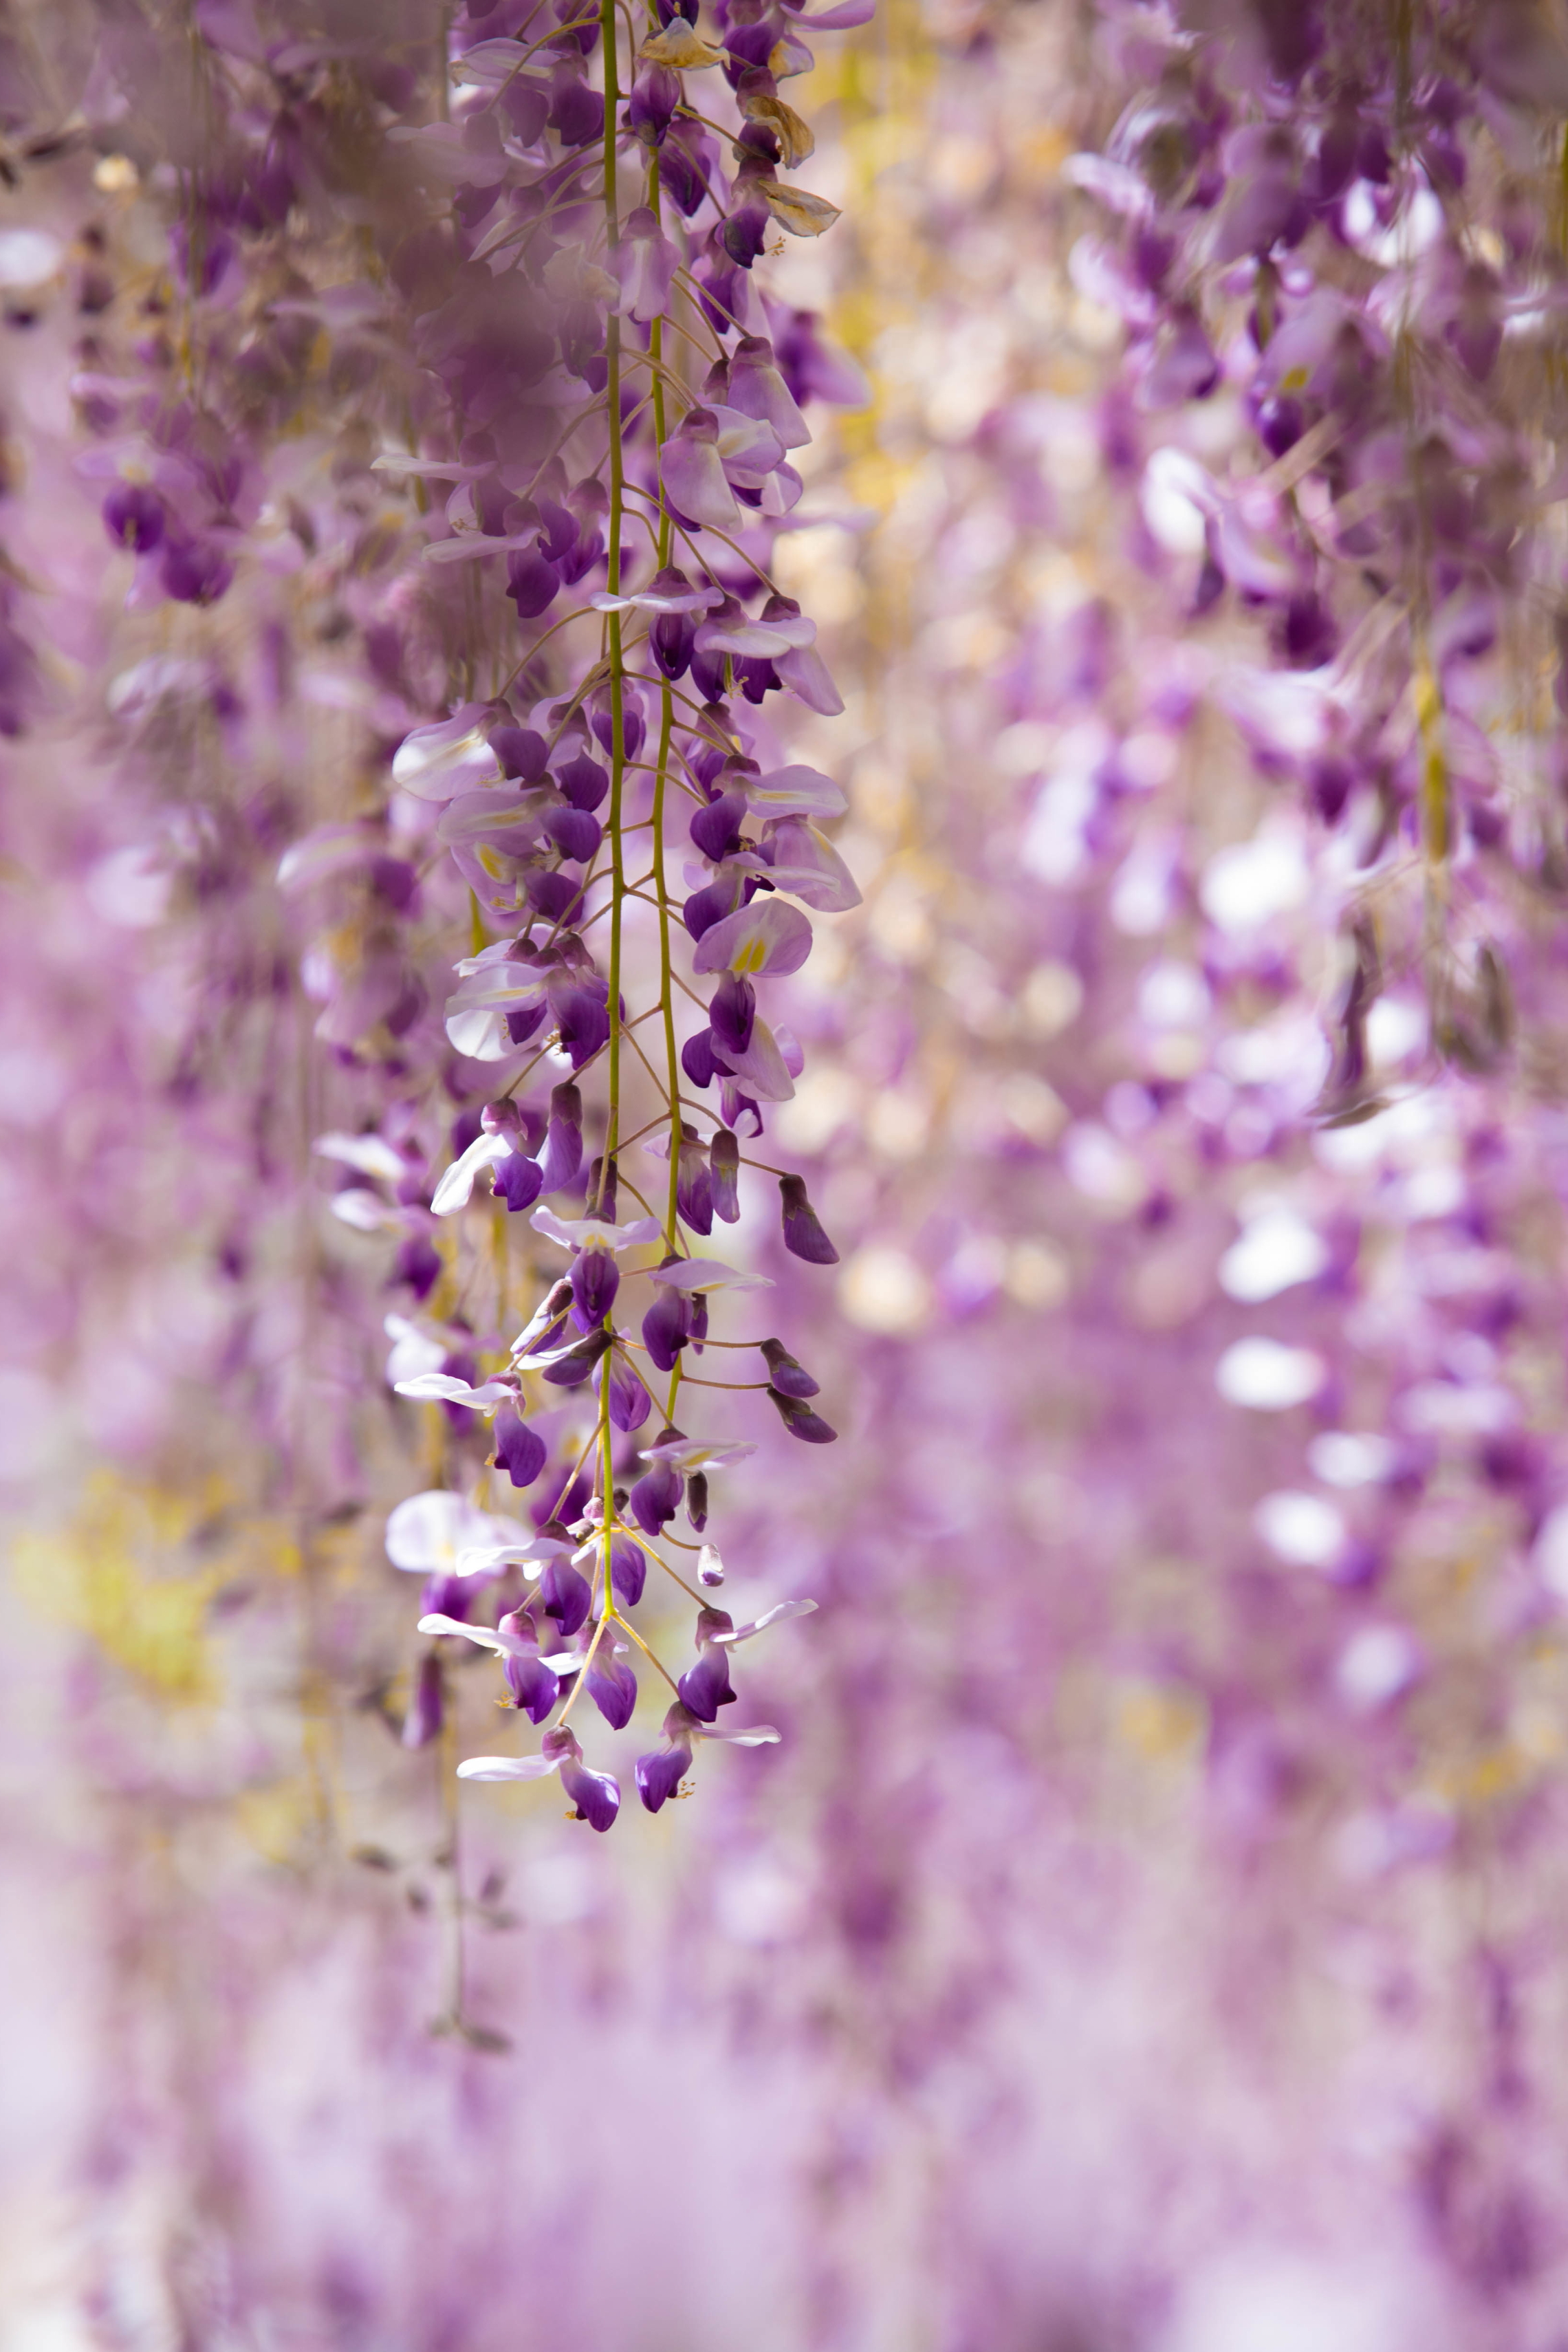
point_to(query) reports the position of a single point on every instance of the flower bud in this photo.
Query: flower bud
(801, 1422)
(803, 1234)
(788, 1376)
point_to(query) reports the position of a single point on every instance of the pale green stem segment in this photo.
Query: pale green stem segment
(665, 726)
(608, 30)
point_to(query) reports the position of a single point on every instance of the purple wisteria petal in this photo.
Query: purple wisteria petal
(724, 1170)
(562, 1153)
(803, 1234)
(521, 1452)
(427, 1709)
(564, 1595)
(628, 1570)
(764, 940)
(692, 474)
(595, 1795)
(645, 266)
(661, 1773)
(613, 1687)
(629, 1401)
(806, 674)
(665, 1328)
(705, 1687)
(533, 1686)
(805, 864)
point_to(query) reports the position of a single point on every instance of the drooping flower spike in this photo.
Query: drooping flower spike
(564, 395)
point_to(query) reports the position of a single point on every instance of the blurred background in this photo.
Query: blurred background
(1146, 1938)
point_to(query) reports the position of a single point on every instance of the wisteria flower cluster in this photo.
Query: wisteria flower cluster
(604, 434)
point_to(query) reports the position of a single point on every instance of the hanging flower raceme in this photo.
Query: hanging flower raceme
(593, 398)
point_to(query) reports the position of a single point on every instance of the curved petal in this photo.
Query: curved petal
(596, 1233)
(709, 1274)
(700, 1454)
(694, 482)
(749, 446)
(425, 1532)
(806, 864)
(480, 1037)
(456, 1185)
(761, 1066)
(509, 1768)
(365, 1210)
(500, 988)
(505, 1645)
(767, 936)
(782, 493)
(444, 1388)
(807, 677)
(775, 1616)
(371, 1154)
(489, 1559)
(795, 792)
(755, 1734)
(413, 1350)
(435, 763)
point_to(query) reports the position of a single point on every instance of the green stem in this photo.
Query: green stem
(661, 775)
(613, 582)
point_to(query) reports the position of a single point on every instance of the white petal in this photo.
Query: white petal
(424, 1533)
(413, 1350)
(596, 1233)
(692, 600)
(480, 1037)
(329, 849)
(541, 1362)
(453, 1192)
(756, 1735)
(483, 1560)
(500, 987)
(435, 763)
(707, 1274)
(505, 1645)
(508, 821)
(508, 1768)
(769, 1617)
(365, 1210)
(700, 1454)
(431, 1388)
(371, 1154)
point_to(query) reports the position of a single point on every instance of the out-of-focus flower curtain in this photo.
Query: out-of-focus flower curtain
(1143, 1935)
